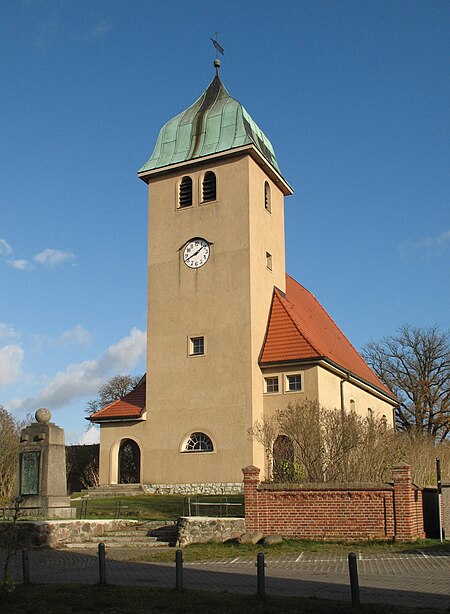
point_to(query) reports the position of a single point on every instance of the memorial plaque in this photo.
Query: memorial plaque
(29, 473)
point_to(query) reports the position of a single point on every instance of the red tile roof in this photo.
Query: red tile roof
(299, 329)
(130, 406)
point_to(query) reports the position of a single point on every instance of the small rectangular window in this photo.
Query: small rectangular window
(269, 260)
(271, 384)
(196, 346)
(293, 383)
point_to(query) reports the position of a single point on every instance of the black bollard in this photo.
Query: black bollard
(179, 569)
(25, 567)
(354, 584)
(261, 577)
(102, 563)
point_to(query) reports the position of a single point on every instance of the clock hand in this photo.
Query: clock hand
(193, 255)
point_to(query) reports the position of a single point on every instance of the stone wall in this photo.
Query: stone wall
(56, 533)
(200, 529)
(324, 511)
(219, 488)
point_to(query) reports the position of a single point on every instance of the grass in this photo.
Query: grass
(154, 507)
(64, 599)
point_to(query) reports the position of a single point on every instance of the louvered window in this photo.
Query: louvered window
(267, 199)
(185, 195)
(209, 187)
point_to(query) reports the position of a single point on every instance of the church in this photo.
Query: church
(231, 337)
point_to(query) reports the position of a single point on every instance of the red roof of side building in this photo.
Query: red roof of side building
(128, 407)
(300, 329)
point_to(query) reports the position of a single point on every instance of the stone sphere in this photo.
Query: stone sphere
(43, 415)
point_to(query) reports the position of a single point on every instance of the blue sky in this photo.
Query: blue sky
(354, 96)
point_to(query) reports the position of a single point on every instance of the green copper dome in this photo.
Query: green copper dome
(214, 123)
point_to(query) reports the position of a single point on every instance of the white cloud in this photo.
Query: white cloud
(11, 357)
(75, 336)
(89, 437)
(53, 257)
(7, 331)
(5, 248)
(21, 263)
(426, 246)
(84, 378)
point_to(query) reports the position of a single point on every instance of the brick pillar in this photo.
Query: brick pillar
(408, 508)
(251, 481)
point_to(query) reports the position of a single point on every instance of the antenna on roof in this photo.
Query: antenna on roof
(219, 49)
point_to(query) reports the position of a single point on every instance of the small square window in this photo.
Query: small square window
(269, 260)
(293, 383)
(196, 346)
(271, 384)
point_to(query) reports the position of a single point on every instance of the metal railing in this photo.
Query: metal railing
(192, 505)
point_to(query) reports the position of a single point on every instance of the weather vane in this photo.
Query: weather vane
(219, 48)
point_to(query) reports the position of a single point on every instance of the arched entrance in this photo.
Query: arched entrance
(129, 462)
(283, 459)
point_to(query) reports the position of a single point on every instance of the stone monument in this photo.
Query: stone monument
(42, 470)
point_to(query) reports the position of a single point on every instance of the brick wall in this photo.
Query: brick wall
(324, 511)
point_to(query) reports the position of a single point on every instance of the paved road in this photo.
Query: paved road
(419, 580)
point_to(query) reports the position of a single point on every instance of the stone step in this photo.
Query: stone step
(125, 539)
(93, 545)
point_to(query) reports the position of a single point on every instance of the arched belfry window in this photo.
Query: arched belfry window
(267, 197)
(209, 187)
(198, 442)
(185, 193)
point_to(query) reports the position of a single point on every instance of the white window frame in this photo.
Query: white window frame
(191, 344)
(269, 261)
(273, 377)
(187, 437)
(286, 382)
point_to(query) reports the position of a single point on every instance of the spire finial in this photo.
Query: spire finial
(219, 49)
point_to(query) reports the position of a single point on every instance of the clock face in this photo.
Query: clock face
(196, 253)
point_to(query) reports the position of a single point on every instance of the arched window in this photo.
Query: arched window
(209, 187)
(352, 405)
(198, 442)
(185, 193)
(283, 459)
(267, 198)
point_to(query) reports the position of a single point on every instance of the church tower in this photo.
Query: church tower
(215, 253)
(231, 339)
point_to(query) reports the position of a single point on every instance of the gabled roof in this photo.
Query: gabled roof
(300, 329)
(128, 407)
(216, 122)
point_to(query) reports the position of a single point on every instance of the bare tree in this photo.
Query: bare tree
(415, 365)
(308, 443)
(9, 450)
(112, 390)
(82, 466)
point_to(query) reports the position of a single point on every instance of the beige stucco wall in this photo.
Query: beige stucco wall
(280, 400)
(227, 301)
(220, 393)
(329, 386)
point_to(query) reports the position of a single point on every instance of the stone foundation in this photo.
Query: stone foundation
(57, 533)
(200, 529)
(218, 488)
